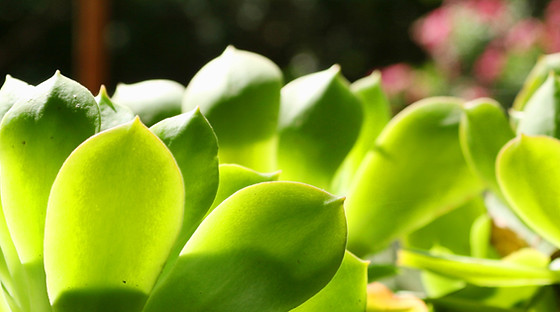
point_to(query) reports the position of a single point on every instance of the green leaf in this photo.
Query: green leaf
(239, 93)
(268, 247)
(320, 119)
(115, 210)
(112, 114)
(345, 292)
(480, 236)
(483, 131)
(235, 177)
(541, 114)
(536, 78)
(485, 272)
(528, 173)
(415, 173)
(193, 144)
(12, 90)
(451, 231)
(36, 136)
(377, 114)
(152, 100)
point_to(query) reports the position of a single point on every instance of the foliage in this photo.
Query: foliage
(278, 200)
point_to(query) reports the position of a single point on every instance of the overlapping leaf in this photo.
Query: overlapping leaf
(115, 210)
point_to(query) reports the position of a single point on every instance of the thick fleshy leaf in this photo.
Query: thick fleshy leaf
(490, 298)
(269, 247)
(381, 299)
(152, 100)
(484, 272)
(239, 93)
(114, 212)
(320, 119)
(483, 131)
(528, 173)
(112, 114)
(536, 78)
(12, 90)
(451, 231)
(36, 136)
(541, 114)
(235, 177)
(193, 144)
(345, 292)
(415, 173)
(377, 113)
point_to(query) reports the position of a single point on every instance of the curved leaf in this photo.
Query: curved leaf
(537, 76)
(483, 131)
(36, 136)
(451, 231)
(485, 272)
(12, 90)
(239, 93)
(415, 173)
(269, 247)
(112, 114)
(320, 119)
(152, 100)
(235, 177)
(377, 113)
(345, 292)
(528, 173)
(541, 114)
(114, 212)
(193, 144)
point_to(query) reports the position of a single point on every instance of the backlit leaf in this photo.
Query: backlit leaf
(115, 210)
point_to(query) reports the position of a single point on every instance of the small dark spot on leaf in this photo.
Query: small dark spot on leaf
(23, 142)
(51, 137)
(124, 282)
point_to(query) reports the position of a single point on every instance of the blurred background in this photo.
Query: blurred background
(468, 48)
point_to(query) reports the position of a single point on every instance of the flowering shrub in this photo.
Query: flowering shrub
(476, 48)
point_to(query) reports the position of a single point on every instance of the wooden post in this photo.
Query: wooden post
(90, 55)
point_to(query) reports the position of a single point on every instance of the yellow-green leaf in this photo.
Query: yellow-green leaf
(239, 93)
(269, 247)
(320, 119)
(115, 210)
(528, 173)
(152, 100)
(415, 173)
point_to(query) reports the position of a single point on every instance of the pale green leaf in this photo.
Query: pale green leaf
(112, 114)
(115, 210)
(415, 173)
(528, 173)
(239, 93)
(12, 90)
(193, 144)
(377, 113)
(235, 177)
(541, 114)
(345, 292)
(538, 75)
(484, 272)
(483, 131)
(269, 247)
(451, 231)
(320, 119)
(152, 100)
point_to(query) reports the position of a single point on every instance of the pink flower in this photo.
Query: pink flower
(396, 78)
(524, 35)
(552, 27)
(489, 66)
(488, 10)
(433, 31)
